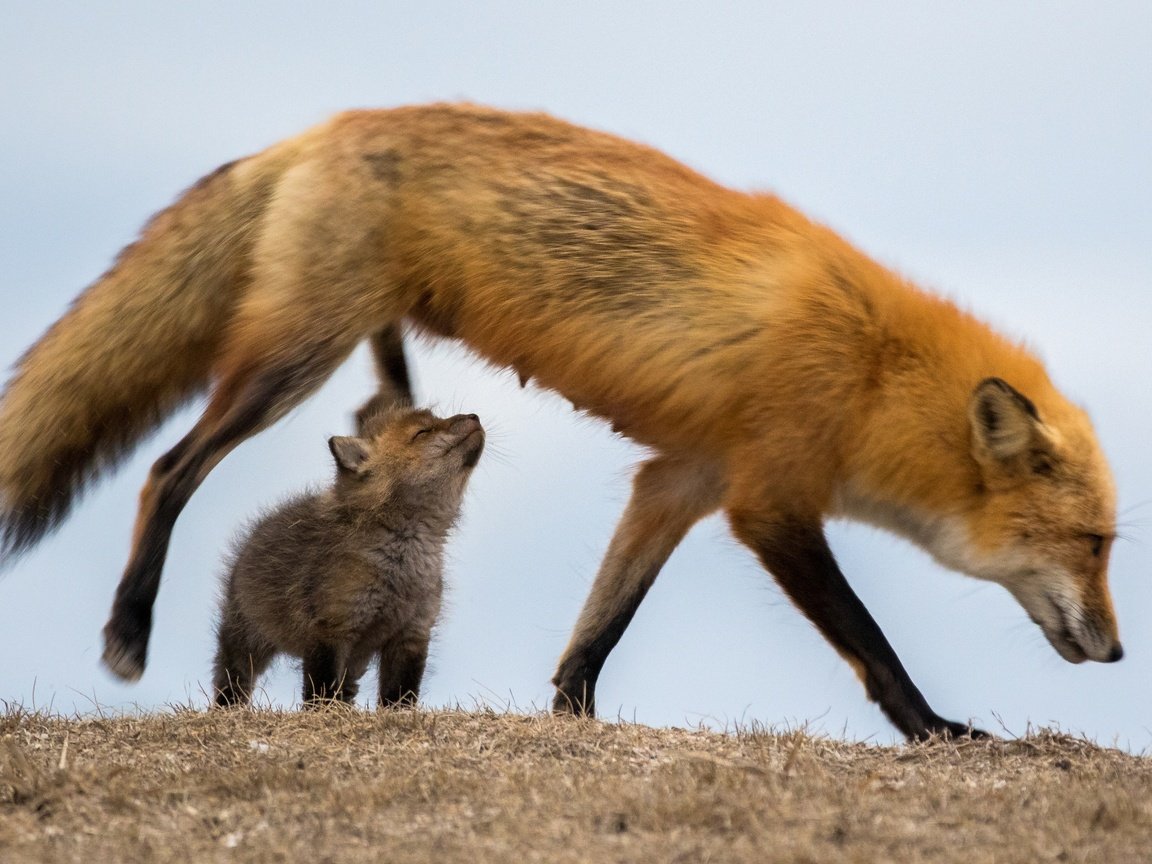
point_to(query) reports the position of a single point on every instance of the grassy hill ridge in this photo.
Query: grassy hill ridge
(346, 785)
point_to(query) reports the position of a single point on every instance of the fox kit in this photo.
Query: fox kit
(353, 573)
(775, 372)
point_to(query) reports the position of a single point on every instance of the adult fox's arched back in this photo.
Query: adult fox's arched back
(775, 371)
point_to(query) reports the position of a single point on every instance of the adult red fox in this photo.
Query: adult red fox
(775, 371)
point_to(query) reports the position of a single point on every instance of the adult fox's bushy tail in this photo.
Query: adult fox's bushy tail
(134, 346)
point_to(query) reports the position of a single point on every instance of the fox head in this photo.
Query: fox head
(406, 454)
(1041, 519)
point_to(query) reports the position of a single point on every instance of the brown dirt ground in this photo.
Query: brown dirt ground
(340, 785)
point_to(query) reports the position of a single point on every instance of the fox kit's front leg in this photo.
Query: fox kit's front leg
(326, 677)
(669, 496)
(402, 664)
(796, 553)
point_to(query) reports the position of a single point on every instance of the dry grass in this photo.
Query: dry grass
(346, 785)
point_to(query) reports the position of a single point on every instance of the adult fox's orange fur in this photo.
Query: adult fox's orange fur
(776, 372)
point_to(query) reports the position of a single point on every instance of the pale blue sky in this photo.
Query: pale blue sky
(999, 153)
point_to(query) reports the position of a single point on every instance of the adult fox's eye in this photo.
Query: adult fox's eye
(1097, 543)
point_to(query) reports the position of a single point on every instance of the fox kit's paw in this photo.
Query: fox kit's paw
(125, 650)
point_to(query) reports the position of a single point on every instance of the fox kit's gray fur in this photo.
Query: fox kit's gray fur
(353, 573)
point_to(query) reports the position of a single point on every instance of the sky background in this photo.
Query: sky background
(999, 153)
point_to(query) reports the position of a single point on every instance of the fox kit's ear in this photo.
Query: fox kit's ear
(1006, 428)
(350, 453)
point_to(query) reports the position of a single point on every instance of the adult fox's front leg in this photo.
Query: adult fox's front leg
(794, 550)
(669, 496)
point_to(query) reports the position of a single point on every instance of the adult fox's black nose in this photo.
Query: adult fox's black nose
(1117, 653)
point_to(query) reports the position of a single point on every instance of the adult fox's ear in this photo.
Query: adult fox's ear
(1006, 429)
(350, 453)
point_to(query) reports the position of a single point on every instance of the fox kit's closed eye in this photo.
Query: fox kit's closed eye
(354, 573)
(772, 370)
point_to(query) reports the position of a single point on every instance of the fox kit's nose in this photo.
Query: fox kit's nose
(465, 424)
(1117, 653)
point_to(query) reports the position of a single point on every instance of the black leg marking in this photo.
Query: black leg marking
(391, 371)
(230, 693)
(387, 346)
(401, 672)
(576, 678)
(130, 624)
(240, 659)
(669, 495)
(798, 556)
(234, 686)
(175, 477)
(323, 676)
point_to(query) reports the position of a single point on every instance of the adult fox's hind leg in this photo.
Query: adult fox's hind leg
(250, 397)
(317, 290)
(669, 496)
(395, 384)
